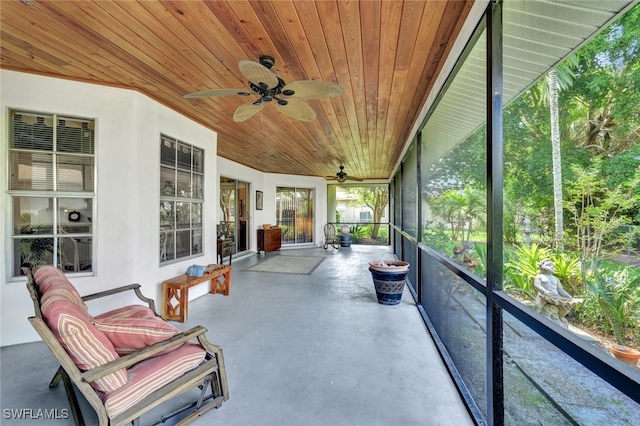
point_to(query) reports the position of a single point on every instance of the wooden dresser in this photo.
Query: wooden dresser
(269, 239)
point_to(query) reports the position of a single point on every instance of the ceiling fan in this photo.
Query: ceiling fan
(288, 98)
(342, 176)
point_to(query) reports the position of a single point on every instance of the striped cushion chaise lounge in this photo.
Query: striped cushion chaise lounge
(126, 361)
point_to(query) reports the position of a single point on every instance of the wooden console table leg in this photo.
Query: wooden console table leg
(184, 302)
(180, 293)
(221, 281)
(227, 282)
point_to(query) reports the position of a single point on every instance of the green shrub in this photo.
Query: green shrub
(437, 237)
(612, 303)
(522, 267)
(568, 271)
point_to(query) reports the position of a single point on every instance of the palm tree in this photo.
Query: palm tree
(557, 79)
(552, 82)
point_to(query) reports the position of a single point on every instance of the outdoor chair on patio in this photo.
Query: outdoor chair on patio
(330, 237)
(126, 361)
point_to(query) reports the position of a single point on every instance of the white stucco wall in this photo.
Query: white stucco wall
(126, 222)
(267, 183)
(128, 127)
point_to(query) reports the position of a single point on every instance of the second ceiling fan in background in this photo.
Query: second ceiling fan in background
(288, 98)
(342, 176)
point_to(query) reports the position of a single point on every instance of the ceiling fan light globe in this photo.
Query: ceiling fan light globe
(267, 98)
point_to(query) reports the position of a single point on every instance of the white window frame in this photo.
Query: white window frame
(55, 195)
(174, 193)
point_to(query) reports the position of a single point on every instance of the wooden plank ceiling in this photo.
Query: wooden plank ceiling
(385, 54)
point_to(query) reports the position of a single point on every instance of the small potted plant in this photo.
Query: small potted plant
(33, 251)
(615, 302)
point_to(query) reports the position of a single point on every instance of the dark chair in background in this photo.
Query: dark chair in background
(330, 237)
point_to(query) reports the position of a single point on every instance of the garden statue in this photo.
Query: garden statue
(552, 300)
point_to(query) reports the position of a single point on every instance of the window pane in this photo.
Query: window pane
(74, 215)
(31, 252)
(198, 160)
(454, 180)
(32, 215)
(458, 313)
(183, 214)
(74, 135)
(286, 213)
(167, 182)
(196, 215)
(74, 173)
(168, 152)
(543, 383)
(183, 243)
(184, 184)
(196, 247)
(167, 247)
(410, 193)
(167, 215)
(198, 191)
(31, 131)
(183, 157)
(74, 254)
(31, 171)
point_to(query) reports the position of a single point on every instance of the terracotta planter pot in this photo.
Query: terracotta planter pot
(389, 279)
(626, 354)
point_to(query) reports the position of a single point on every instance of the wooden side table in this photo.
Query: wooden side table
(175, 291)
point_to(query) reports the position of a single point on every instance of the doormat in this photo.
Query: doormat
(288, 265)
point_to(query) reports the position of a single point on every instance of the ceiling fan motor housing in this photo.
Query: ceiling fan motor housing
(267, 61)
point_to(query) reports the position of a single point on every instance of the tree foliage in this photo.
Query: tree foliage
(376, 197)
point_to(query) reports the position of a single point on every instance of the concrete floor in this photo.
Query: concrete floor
(299, 350)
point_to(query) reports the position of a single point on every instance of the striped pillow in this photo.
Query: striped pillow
(87, 346)
(149, 375)
(130, 311)
(130, 334)
(48, 277)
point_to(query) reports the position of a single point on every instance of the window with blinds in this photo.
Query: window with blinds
(52, 187)
(181, 198)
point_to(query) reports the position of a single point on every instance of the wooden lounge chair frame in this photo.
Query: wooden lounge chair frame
(210, 374)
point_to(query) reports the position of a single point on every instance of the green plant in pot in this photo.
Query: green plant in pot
(34, 251)
(616, 300)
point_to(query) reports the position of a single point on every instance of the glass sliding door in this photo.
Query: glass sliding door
(234, 213)
(294, 210)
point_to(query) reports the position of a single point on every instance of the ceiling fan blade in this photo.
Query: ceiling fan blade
(257, 73)
(311, 89)
(354, 178)
(246, 111)
(217, 92)
(300, 110)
